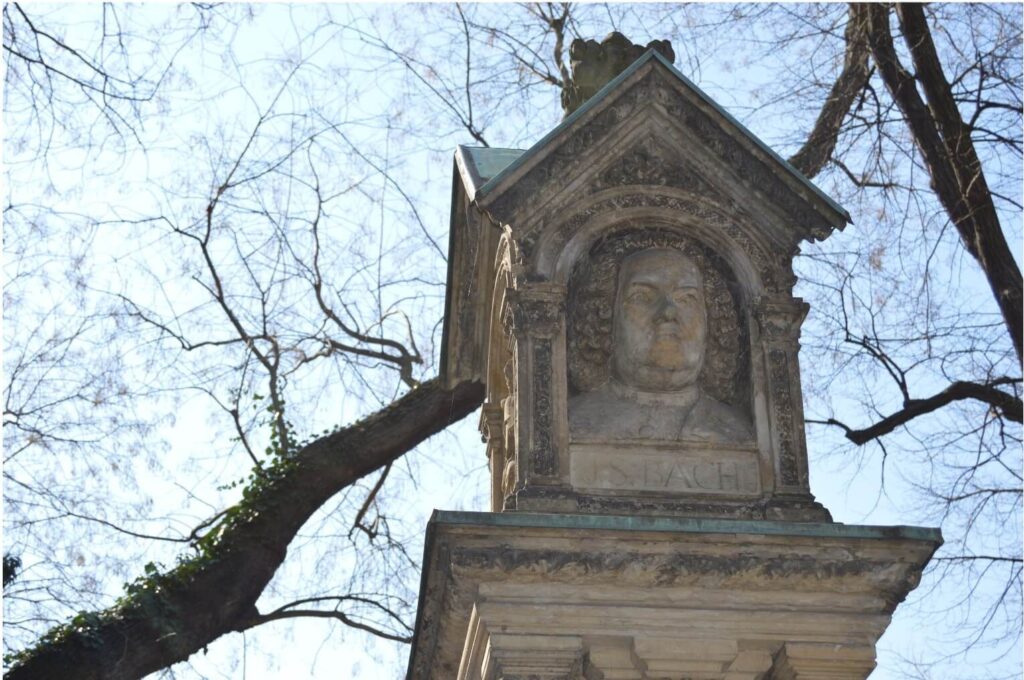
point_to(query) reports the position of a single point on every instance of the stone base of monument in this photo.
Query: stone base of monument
(517, 595)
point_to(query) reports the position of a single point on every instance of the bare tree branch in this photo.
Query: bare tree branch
(292, 610)
(1005, 404)
(849, 84)
(948, 152)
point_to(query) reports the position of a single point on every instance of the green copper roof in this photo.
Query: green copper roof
(479, 164)
(487, 161)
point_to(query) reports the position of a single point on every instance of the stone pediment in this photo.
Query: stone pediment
(651, 98)
(649, 138)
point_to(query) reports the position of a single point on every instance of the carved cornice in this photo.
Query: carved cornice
(746, 572)
(495, 569)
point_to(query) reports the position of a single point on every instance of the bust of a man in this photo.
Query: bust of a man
(659, 340)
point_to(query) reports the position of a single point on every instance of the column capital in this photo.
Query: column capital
(779, 317)
(534, 309)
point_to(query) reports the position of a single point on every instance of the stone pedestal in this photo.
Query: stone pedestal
(511, 596)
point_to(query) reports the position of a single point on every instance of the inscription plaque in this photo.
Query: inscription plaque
(645, 468)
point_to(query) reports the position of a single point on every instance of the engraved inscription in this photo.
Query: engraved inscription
(715, 472)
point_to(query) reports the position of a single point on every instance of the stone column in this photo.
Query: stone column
(535, 318)
(779, 320)
(492, 430)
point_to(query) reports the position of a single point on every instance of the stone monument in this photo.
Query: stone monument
(625, 290)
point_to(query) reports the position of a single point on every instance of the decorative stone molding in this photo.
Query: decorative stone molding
(778, 319)
(774, 270)
(564, 596)
(648, 164)
(652, 88)
(533, 657)
(542, 453)
(816, 661)
(492, 430)
(535, 310)
(492, 424)
(534, 319)
(788, 445)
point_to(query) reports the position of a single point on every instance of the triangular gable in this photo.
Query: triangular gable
(519, 163)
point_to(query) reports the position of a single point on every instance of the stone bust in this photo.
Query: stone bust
(658, 347)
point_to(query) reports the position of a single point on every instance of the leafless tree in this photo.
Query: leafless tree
(292, 277)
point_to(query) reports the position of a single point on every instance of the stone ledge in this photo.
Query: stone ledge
(527, 520)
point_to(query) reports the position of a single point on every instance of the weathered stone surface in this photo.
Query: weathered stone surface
(663, 329)
(594, 65)
(551, 595)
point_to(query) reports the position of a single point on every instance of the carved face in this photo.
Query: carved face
(660, 325)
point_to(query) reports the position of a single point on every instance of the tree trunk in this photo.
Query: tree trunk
(851, 81)
(944, 141)
(170, 616)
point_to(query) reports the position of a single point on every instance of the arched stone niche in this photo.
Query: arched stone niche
(571, 431)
